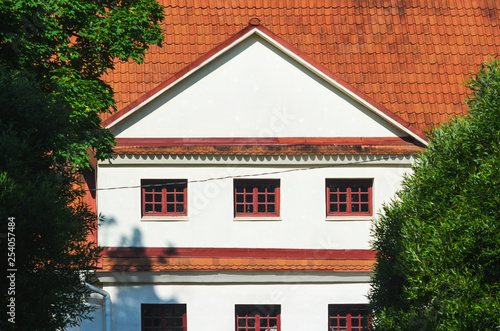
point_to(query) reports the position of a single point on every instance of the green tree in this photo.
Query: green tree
(438, 242)
(52, 57)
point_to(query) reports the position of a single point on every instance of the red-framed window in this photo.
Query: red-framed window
(255, 197)
(163, 317)
(258, 317)
(347, 318)
(349, 197)
(164, 197)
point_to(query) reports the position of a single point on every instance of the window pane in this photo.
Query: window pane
(343, 208)
(148, 198)
(271, 209)
(355, 208)
(270, 198)
(179, 208)
(157, 208)
(261, 208)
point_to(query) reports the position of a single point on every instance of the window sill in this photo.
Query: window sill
(164, 219)
(257, 218)
(349, 218)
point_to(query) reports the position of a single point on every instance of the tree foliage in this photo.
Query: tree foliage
(52, 57)
(438, 243)
(72, 44)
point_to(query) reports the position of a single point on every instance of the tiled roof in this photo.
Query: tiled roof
(270, 150)
(410, 56)
(232, 264)
(235, 259)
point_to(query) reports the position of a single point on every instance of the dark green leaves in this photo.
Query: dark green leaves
(439, 242)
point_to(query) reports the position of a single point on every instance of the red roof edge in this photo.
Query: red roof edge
(178, 75)
(255, 24)
(283, 253)
(342, 82)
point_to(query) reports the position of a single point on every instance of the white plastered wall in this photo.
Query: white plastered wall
(253, 90)
(212, 308)
(210, 222)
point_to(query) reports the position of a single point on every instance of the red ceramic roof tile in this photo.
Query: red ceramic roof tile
(238, 259)
(377, 46)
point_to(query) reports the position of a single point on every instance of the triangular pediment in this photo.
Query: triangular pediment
(256, 87)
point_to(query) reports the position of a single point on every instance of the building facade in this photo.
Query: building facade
(244, 185)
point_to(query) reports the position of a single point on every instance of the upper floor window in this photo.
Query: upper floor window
(165, 197)
(349, 197)
(347, 318)
(258, 317)
(163, 317)
(256, 197)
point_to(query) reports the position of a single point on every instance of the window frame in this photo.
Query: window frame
(364, 320)
(262, 312)
(163, 183)
(255, 196)
(349, 202)
(164, 307)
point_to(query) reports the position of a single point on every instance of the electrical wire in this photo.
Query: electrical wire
(238, 176)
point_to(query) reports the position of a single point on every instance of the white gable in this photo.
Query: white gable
(254, 89)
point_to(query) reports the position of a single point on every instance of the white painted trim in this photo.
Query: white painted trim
(275, 160)
(291, 55)
(165, 219)
(231, 277)
(349, 218)
(257, 218)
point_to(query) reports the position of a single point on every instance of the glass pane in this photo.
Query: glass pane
(239, 198)
(343, 208)
(148, 198)
(157, 208)
(179, 197)
(333, 208)
(170, 208)
(333, 198)
(270, 198)
(343, 197)
(354, 198)
(239, 189)
(262, 198)
(271, 209)
(249, 209)
(364, 208)
(248, 198)
(355, 208)
(364, 197)
(261, 208)
(179, 208)
(240, 208)
(157, 197)
(170, 198)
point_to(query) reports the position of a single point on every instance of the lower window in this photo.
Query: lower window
(258, 317)
(163, 317)
(347, 317)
